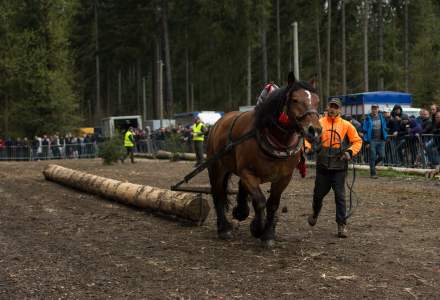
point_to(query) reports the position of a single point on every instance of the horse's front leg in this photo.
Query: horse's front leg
(276, 189)
(252, 185)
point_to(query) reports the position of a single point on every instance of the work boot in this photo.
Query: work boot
(342, 231)
(312, 219)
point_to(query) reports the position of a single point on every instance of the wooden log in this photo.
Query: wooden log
(161, 154)
(144, 155)
(188, 206)
(432, 173)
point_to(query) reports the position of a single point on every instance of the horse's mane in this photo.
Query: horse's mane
(267, 112)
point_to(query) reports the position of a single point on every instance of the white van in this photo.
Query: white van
(411, 111)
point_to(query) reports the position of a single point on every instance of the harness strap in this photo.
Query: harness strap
(279, 154)
(223, 151)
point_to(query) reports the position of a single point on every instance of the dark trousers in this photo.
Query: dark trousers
(324, 181)
(377, 154)
(130, 153)
(198, 149)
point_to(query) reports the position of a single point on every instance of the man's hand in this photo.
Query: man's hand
(345, 156)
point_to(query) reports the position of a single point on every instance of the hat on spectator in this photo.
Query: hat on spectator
(405, 117)
(374, 105)
(335, 100)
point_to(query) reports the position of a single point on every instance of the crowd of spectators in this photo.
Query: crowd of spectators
(176, 138)
(410, 140)
(48, 147)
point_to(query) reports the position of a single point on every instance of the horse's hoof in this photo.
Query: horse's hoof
(225, 235)
(256, 230)
(240, 214)
(268, 244)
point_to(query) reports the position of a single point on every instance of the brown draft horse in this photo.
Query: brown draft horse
(253, 163)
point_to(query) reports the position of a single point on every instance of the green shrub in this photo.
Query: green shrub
(174, 144)
(112, 150)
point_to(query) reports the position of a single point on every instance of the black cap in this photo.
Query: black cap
(335, 100)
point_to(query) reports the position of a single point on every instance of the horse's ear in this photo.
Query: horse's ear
(290, 78)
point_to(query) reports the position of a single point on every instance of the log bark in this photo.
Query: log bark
(433, 173)
(188, 206)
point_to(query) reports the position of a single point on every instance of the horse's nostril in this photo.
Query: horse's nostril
(311, 131)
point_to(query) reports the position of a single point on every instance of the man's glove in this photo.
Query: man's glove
(346, 155)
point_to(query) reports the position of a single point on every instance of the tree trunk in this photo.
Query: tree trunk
(6, 115)
(97, 114)
(406, 54)
(344, 62)
(264, 49)
(169, 79)
(192, 95)
(119, 91)
(184, 205)
(278, 44)
(188, 105)
(365, 31)
(157, 57)
(139, 85)
(318, 53)
(329, 32)
(381, 21)
(230, 100)
(149, 96)
(108, 87)
(249, 75)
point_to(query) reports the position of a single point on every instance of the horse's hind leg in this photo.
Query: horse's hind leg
(219, 181)
(241, 211)
(273, 202)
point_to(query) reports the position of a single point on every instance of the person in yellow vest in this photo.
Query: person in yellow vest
(198, 136)
(129, 144)
(332, 163)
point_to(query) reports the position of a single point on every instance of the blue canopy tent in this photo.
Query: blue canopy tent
(360, 104)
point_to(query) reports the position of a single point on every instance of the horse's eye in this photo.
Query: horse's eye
(295, 101)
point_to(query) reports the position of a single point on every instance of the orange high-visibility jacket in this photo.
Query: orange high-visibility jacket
(343, 128)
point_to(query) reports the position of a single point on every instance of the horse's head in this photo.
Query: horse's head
(302, 107)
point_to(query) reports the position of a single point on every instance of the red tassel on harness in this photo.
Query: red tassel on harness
(283, 118)
(302, 168)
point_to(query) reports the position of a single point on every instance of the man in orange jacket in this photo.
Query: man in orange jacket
(332, 163)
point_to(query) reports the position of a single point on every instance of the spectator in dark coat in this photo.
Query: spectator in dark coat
(424, 120)
(434, 109)
(407, 139)
(433, 145)
(395, 120)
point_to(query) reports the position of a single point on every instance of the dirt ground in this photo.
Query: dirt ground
(58, 243)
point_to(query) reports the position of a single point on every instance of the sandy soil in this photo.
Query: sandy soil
(57, 243)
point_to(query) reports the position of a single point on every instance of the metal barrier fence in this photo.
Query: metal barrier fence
(65, 151)
(420, 151)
